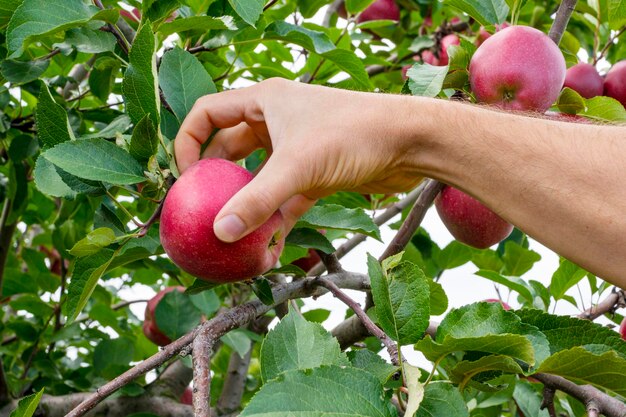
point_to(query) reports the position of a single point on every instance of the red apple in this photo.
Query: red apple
(584, 79)
(187, 397)
(495, 300)
(428, 21)
(615, 82)
(447, 40)
(429, 58)
(518, 68)
(622, 329)
(469, 221)
(309, 261)
(380, 10)
(187, 226)
(150, 328)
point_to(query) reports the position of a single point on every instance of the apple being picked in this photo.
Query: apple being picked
(380, 10)
(585, 80)
(518, 68)
(187, 219)
(615, 82)
(469, 221)
(150, 328)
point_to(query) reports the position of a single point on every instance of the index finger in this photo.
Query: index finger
(215, 111)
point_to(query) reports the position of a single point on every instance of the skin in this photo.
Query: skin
(558, 194)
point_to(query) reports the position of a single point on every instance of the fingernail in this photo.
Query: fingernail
(229, 228)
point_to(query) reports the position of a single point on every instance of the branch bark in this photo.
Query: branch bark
(202, 350)
(234, 383)
(218, 326)
(608, 305)
(563, 14)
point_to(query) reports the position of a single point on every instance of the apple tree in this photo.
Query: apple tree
(92, 97)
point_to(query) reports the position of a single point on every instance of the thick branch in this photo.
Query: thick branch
(383, 218)
(218, 326)
(390, 345)
(202, 350)
(607, 405)
(563, 14)
(173, 381)
(234, 383)
(414, 219)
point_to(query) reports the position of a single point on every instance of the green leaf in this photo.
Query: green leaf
(263, 289)
(158, 10)
(486, 12)
(7, 8)
(116, 128)
(371, 362)
(207, 302)
(465, 370)
(329, 391)
(617, 14)
(140, 86)
(415, 387)
(454, 255)
(570, 101)
(297, 344)
(308, 8)
(183, 80)
(111, 355)
(97, 160)
(27, 406)
(426, 80)
(88, 41)
(248, 10)
(200, 285)
(93, 242)
(144, 142)
(514, 283)
(606, 370)
(438, 298)
(22, 72)
(355, 6)
(317, 315)
(310, 239)
(604, 109)
(565, 332)
(53, 126)
(442, 399)
(85, 275)
(402, 298)
(197, 23)
(102, 77)
(332, 216)
(238, 340)
(528, 401)
(34, 19)
(565, 277)
(517, 259)
(175, 315)
(48, 180)
(321, 44)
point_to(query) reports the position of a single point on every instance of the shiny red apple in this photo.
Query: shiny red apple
(380, 10)
(585, 80)
(187, 219)
(518, 68)
(469, 221)
(615, 82)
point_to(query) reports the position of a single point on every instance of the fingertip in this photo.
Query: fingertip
(229, 228)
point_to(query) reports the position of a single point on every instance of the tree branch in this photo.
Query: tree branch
(605, 404)
(234, 383)
(563, 14)
(414, 219)
(390, 345)
(608, 305)
(202, 350)
(332, 9)
(217, 327)
(383, 218)
(173, 381)
(6, 237)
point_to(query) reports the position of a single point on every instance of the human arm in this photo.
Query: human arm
(548, 178)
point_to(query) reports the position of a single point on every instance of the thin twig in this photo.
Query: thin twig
(563, 14)
(608, 305)
(392, 347)
(548, 400)
(414, 219)
(608, 45)
(202, 350)
(270, 4)
(153, 218)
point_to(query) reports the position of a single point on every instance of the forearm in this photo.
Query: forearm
(562, 183)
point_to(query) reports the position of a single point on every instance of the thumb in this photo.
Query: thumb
(255, 203)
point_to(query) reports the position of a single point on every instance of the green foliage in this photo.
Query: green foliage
(89, 107)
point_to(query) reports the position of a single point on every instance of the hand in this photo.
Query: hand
(319, 140)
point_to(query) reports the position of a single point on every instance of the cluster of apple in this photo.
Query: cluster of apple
(586, 81)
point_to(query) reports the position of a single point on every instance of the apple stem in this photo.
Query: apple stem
(563, 14)
(392, 347)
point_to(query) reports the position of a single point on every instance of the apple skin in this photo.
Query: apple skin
(150, 328)
(495, 300)
(585, 80)
(187, 219)
(446, 41)
(518, 68)
(469, 221)
(380, 10)
(622, 329)
(187, 397)
(429, 58)
(615, 82)
(309, 261)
